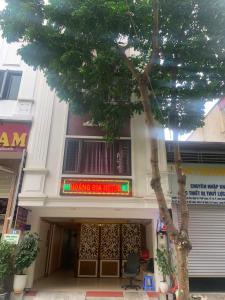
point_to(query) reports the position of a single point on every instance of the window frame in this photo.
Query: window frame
(6, 77)
(114, 158)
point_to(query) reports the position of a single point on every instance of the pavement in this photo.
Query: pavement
(209, 296)
(83, 295)
(106, 295)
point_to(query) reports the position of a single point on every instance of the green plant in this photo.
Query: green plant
(164, 263)
(6, 262)
(26, 252)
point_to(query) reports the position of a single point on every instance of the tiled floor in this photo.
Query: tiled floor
(64, 286)
(66, 281)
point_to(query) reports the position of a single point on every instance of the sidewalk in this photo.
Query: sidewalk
(104, 295)
(87, 295)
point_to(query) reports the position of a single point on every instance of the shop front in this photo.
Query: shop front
(13, 144)
(82, 244)
(205, 189)
(89, 200)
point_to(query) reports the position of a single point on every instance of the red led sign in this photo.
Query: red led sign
(92, 187)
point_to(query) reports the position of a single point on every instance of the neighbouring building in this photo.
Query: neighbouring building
(204, 166)
(90, 202)
(214, 128)
(17, 97)
(207, 213)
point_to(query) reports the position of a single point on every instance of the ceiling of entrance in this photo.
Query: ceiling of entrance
(72, 222)
(11, 164)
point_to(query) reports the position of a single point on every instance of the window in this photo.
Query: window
(96, 157)
(9, 84)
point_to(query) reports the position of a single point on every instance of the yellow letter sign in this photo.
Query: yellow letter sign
(4, 141)
(19, 141)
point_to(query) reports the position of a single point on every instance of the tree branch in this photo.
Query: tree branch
(181, 179)
(156, 179)
(155, 38)
(128, 62)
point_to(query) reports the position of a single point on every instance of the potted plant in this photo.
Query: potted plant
(6, 266)
(165, 268)
(26, 253)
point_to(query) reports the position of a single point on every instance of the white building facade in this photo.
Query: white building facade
(68, 191)
(17, 102)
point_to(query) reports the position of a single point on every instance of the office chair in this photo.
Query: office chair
(131, 270)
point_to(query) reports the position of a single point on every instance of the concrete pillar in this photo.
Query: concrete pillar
(34, 220)
(35, 171)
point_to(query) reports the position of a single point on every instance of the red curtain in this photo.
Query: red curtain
(97, 157)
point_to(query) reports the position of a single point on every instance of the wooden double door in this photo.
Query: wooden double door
(104, 248)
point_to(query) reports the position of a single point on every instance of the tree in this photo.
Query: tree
(97, 53)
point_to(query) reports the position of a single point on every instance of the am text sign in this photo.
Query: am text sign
(13, 136)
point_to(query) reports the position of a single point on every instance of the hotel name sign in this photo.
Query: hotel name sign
(95, 187)
(13, 136)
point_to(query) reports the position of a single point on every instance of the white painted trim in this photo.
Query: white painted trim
(25, 100)
(132, 157)
(36, 170)
(19, 118)
(36, 202)
(93, 137)
(96, 176)
(63, 144)
(43, 201)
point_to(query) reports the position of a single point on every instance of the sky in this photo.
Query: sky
(2, 4)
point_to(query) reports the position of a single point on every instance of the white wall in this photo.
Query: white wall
(149, 239)
(45, 159)
(46, 142)
(36, 171)
(214, 128)
(43, 246)
(21, 109)
(56, 249)
(141, 158)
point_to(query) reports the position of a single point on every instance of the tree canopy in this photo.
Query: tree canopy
(84, 48)
(114, 58)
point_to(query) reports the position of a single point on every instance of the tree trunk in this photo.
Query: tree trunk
(182, 272)
(179, 237)
(156, 179)
(182, 242)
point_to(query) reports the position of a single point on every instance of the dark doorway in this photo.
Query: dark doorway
(207, 284)
(69, 249)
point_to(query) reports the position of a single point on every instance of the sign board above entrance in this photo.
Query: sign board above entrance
(13, 136)
(95, 187)
(205, 184)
